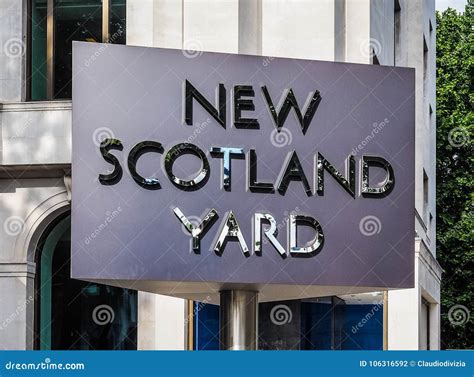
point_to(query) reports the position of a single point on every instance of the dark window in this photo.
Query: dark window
(73, 21)
(117, 22)
(54, 25)
(38, 49)
(425, 324)
(78, 315)
(326, 323)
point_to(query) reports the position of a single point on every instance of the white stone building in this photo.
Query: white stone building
(35, 138)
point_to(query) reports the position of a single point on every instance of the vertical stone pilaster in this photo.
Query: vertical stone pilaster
(17, 309)
(13, 50)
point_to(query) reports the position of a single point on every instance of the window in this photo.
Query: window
(324, 323)
(54, 24)
(424, 324)
(74, 314)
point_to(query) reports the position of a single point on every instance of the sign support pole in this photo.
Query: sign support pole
(238, 316)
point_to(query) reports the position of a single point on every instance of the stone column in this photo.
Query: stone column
(13, 23)
(17, 308)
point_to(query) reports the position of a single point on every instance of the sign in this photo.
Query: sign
(193, 174)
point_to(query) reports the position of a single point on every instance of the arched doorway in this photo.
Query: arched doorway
(73, 314)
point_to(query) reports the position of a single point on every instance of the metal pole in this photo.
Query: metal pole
(50, 50)
(238, 320)
(385, 320)
(105, 21)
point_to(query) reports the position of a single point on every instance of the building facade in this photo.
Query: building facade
(42, 308)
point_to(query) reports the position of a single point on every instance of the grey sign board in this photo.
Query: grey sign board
(301, 173)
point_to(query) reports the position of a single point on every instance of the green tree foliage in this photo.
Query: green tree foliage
(455, 210)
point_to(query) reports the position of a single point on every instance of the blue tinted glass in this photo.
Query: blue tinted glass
(322, 324)
(363, 327)
(316, 325)
(206, 326)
